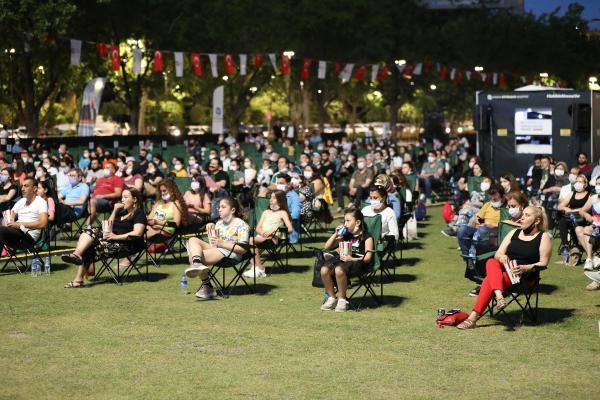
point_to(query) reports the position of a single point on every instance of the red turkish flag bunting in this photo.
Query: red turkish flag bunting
(443, 73)
(101, 49)
(426, 68)
(285, 65)
(502, 80)
(457, 77)
(158, 61)
(360, 73)
(229, 65)
(408, 69)
(197, 64)
(383, 73)
(115, 57)
(337, 67)
(304, 75)
(257, 60)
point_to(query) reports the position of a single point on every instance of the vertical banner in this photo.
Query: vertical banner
(273, 61)
(418, 69)
(75, 52)
(213, 65)
(90, 104)
(346, 72)
(197, 64)
(374, 72)
(158, 65)
(178, 63)
(115, 57)
(243, 64)
(137, 61)
(305, 72)
(322, 69)
(217, 115)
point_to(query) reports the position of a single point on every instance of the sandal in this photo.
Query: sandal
(72, 259)
(466, 324)
(501, 304)
(74, 285)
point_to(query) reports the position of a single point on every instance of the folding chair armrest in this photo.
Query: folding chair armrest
(538, 268)
(133, 237)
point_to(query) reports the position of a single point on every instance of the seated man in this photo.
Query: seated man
(430, 175)
(72, 199)
(284, 183)
(360, 182)
(108, 189)
(28, 217)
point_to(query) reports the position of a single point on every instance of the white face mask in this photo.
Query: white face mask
(597, 189)
(578, 186)
(471, 164)
(234, 167)
(106, 171)
(496, 204)
(572, 178)
(178, 167)
(485, 186)
(295, 182)
(38, 175)
(166, 197)
(361, 165)
(307, 174)
(247, 164)
(514, 212)
(559, 172)
(195, 186)
(275, 207)
(129, 171)
(430, 159)
(281, 187)
(191, 161)
(375, 204)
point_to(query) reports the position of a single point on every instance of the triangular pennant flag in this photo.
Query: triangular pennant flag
(346, 72)
(457, 78)
(322, 69)
(137, 61)
(495, 79)
(243, 64)
(418, 69)
(408, 69)
(401, 68)
(178, 55)
(229, 65)
(337, 67)
(213, 65)
(374, 72)
(75, 52)
(468, 74)
(452, 74)
(273, 61)
(501, 80)
(360, 73)
(101, 49)
(443, 73)
(197, 64)
(115, 57)
(383, 73)
(488, 79)
(426, 68)
(257, 60)
(305, 73)
(285, 65)
(158, 65)
(483, 76)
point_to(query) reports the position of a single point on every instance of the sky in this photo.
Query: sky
(592, 8)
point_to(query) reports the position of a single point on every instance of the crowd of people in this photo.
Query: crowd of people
(301, 184)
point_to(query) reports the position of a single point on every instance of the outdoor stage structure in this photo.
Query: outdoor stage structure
(512, 127)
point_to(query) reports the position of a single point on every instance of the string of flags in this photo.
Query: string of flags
(281, 64)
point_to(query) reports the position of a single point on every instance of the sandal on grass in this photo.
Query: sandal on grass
(74, 285)
(72, 259)
(466, 324)
(501, 304)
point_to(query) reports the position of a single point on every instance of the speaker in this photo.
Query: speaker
(481, 117)
(581, 114)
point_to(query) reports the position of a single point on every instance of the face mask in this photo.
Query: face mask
(120, 164)
(281, 187)
(496, 204)
(275, 207)
(86, 155)
(247, 164)
(559, 172)
(178, 167)
(307, 174)
(430, 159)
(596, 207)
(72, 181)
(572, 178)
(471, 164)
(212, 156)
(3, 178)
(195, 186)
(166, 197)
(191, 161)
(597, 187)
(295, 182)
(234, 167)
(361, 165)
(375, 204)
(38, 175)
(514, 212)
(44, 156)
(578, 186)
(485, 186)
(129, 171)
(64, 169)
(107, 172)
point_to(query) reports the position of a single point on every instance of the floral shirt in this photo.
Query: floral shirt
(234, 231)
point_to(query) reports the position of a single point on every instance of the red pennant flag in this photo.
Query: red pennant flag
(158, 61)
(488, 79)
(197, 64)
(115, 57)
(285, 65)
(408, 69)
(383, 73)
(305, 69)
(457, 77)
(101, 49)
(257, 60)
(337, 67)
(360, 73)
(502, 80)
(443, 73)
(229, 65)
(426, 68)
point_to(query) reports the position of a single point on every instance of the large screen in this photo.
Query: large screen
(533, 131)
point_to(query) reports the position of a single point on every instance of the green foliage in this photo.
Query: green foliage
(165, 113)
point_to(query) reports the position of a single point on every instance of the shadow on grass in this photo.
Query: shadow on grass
(409, 262)
(388, 301)
(261, 289)
(546, 289)
(294, 269)
(134, 277)
(413, 245)
(545, 316)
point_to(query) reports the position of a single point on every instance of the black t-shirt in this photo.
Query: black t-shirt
(125, 226)
(13, 186)
(325, 168)
(221, 176)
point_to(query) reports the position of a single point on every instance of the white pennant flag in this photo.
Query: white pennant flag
(468, 74)
(346, 72)
(213, 65)
(418, 69)
(243, 64)
(217, 115)
(452, 74)
(322, 69)
(137, 61)
(273, 61)
(178, 63)
(75, 52)
(483, 76)
(401, 68)
(374, 72)
(523, 79)
(495, 78)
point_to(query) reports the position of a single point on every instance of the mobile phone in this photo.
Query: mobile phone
(453, 311)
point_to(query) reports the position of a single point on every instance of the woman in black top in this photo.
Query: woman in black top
(571, 204)
(8, 189)
(528, 246)
(128, 226)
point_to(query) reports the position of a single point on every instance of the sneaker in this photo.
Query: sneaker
(593, 275)
(475, 292)
(342, 305)
(593, 286)
(596, 261)
(329, 304)
(449, 233)
(589, 265)
(252, 272)
(206, 292)
(428, 202)
(195, 270)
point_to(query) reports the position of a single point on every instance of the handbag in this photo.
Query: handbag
(451, 319)
(410, 229)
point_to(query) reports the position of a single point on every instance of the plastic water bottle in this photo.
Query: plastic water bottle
(184, 285)
(565, 254)
(473, 248)
(47, 266)
(36, 267)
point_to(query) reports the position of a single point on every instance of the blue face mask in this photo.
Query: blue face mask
(596, 208)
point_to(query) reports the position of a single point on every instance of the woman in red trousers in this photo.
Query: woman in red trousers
(529, 246)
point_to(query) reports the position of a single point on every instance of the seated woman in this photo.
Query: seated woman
(393, 200)
(346, 266)
(570, 206)
(302, 186)
(230, 229)
(273, 218)
(132, 177)
(516, 202)
(128, 225)
(8, 189)
(46, 193)
(151, 180)
(529, 246)
(237, 183)
(590, 212)
(169, 211)
(198, 201)
(317, 187)
(379, 206)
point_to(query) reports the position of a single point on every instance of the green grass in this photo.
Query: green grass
(144, 340)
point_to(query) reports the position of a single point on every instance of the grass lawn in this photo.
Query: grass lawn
(145, 340)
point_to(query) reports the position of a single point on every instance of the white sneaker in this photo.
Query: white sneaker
(329, 304)
(206, 292)
(255, 272)
(195, 270)
(596, 261)
(589, 265)
(342, 305)
(595, 276)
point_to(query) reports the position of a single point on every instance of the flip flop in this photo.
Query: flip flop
(74, 285)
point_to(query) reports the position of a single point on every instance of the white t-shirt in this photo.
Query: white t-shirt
(30, 213)
(389, 224)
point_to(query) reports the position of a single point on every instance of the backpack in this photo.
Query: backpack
(421, 211)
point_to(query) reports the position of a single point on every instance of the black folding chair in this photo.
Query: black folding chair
(217, 273)
(118, 274)
(19, 256)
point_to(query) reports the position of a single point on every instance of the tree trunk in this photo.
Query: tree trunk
(138, 117)
(32, 118)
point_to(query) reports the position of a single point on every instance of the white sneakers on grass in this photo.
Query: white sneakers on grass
(339, 305)
(195, 270)
(252, 272)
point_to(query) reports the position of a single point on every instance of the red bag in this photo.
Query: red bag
(447, 212)
(451, 319)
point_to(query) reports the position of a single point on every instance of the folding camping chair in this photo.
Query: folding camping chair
(168, 241)
(117, 273)
(19, 256)
(217, 273)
